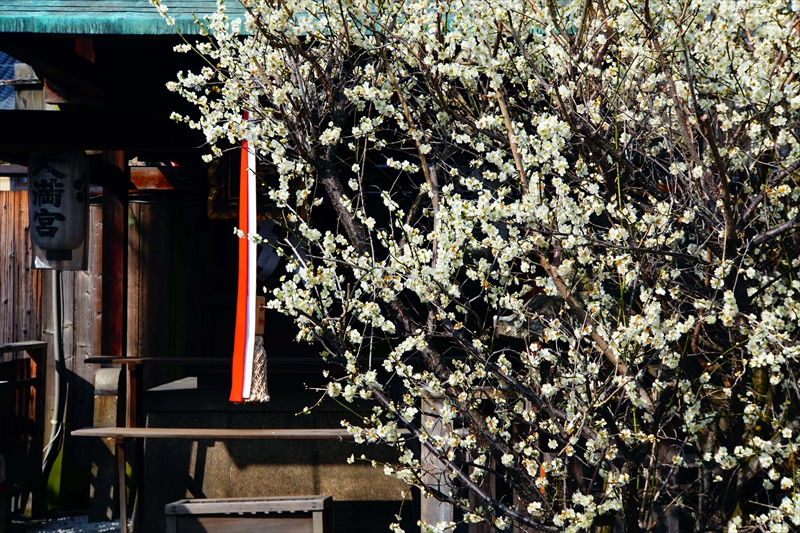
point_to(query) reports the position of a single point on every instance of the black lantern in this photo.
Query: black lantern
(58, 200)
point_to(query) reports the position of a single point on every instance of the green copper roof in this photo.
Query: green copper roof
(104, 17)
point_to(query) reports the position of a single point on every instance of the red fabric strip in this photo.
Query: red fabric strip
(237, 381)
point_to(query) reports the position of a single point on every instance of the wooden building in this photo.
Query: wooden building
(161, 277)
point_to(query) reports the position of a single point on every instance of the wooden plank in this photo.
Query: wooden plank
(48, 336)
(17, 255)
(14, 385)
(12, 284)
(101, 487)
(77, 456)
(68, 331)
(216, 433)
(33, 311)
(82, 318)
(135, 335)
(24, 346)
(18, 289)
(96, 273)
(83, 327)
(7, 282)
(7, 278)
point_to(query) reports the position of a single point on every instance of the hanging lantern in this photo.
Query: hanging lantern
(58, 200)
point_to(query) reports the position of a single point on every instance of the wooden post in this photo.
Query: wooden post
(115, 268)
(123, 512)
(432, 511)
(115, 287)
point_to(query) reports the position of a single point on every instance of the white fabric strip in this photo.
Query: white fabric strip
(252, 251)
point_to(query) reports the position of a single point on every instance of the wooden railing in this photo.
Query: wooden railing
(23, 379)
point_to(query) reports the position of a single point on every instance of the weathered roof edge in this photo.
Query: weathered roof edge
(105, 17)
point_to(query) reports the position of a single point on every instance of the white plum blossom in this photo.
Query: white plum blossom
(572, 224)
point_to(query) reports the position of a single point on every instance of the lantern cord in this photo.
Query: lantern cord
(56, 433)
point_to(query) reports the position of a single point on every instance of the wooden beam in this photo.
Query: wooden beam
(55, 58)
(105, 174)
(13, 170)
(59, 94)
(150, 178)
(29, 131)
(23, 346)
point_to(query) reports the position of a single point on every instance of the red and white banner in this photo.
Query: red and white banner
(244, 338)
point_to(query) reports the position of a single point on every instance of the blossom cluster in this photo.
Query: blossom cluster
(566, 252)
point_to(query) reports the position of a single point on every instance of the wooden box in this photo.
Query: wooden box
(292, 514)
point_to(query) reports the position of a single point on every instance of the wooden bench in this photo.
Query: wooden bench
(121, 435)
(292, 514)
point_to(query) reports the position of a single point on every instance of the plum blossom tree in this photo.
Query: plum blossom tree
(564, 230)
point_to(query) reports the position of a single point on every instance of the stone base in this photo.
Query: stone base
(108, 412)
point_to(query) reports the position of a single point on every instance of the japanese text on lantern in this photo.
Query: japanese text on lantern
(47, 191)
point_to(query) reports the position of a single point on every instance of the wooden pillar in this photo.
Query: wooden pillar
(115, 264)
(115, 279)
(432, 511)
(123, 513)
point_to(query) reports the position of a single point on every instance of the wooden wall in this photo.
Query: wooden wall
(20, 320)
(26, 314)
(81, 293)
(20, 285)
(163, 285)
(181, 282)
